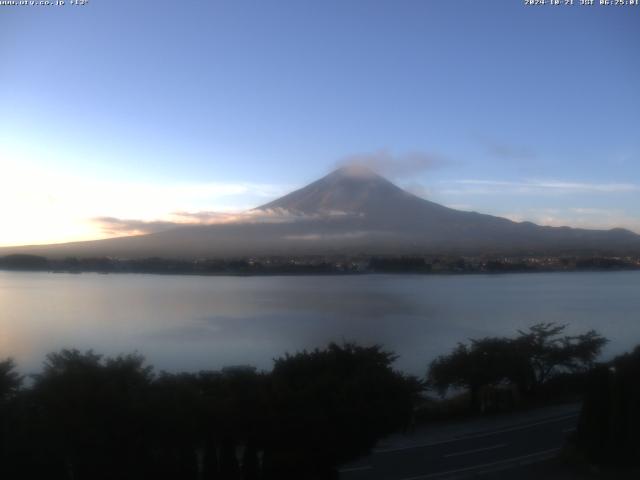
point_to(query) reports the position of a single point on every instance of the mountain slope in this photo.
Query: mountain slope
(354, 211)
(379, 205)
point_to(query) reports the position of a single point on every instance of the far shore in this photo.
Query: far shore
(325, 265)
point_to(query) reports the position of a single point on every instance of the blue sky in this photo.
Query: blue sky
(142, 109)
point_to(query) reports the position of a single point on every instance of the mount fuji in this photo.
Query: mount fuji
(352, 211)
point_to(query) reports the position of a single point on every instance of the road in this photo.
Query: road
(503, 448)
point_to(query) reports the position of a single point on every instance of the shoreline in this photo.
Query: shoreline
(319, 274)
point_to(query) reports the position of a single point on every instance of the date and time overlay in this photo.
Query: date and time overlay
(582, 3)
(528, 3)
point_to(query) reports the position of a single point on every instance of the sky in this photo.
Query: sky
(144, 110)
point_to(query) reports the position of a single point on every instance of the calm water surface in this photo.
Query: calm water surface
(191, 322)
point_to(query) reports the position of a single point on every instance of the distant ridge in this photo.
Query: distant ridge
(354, 211)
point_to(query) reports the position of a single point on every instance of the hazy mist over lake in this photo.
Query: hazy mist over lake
(193, 322)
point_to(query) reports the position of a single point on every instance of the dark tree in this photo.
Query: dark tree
(609, 425)
(208, 418)
(90, 414)
(89, 417)
(528, 361)
(549, 352)
(176, 434)
(10, 383)
(10, 380)
(488, 361)
(330, 406)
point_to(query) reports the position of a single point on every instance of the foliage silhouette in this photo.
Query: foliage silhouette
(610, 418)
(85, 416)
(332, 405)
(527, 362)
(10, 380)
(549, 353)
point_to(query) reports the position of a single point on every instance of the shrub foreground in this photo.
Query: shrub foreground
(85, 416)
(89, 417)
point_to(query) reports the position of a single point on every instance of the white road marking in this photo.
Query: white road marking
(468, 452)
(479, 435)
(484, 465)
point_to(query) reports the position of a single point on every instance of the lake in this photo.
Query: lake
(198, 322)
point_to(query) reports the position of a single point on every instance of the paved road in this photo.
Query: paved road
(509, 446)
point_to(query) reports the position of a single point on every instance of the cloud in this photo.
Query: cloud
(577, 217)
(460, 206)
(269, 215)
(40, 204)
(119, 226)
(395, 166)
(314, 237)
(114, 226)
(491, 187)
(508, 152)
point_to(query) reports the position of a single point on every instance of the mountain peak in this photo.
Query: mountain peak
(354, 189)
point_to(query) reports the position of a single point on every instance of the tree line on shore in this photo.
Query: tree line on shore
(312, 265)
(84, 416)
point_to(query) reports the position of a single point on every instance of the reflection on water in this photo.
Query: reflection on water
(190, 322)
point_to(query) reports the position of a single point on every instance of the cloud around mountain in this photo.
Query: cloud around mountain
(351, 211)
(114, 226)
(392, 165)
